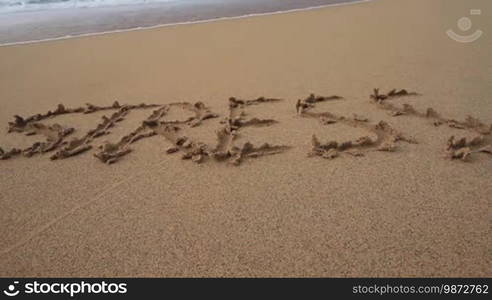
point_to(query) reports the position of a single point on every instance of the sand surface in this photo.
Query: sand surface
(411, 212)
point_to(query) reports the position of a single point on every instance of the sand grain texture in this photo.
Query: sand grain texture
(409, 212)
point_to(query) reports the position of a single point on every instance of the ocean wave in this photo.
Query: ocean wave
(34, 5)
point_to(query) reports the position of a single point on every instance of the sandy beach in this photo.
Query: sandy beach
(302, 210)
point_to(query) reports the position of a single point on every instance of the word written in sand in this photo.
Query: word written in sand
(386, 137)
(455, 148)
(381, 136)
(226, 149)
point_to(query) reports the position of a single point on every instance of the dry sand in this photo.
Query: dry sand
(411, 212)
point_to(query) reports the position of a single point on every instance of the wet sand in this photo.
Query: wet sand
(394, 197)
(19, 27)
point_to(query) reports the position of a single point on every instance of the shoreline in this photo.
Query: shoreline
(292, 207)
(218, 19)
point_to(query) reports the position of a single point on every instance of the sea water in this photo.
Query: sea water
(27, 21)
(34, 5)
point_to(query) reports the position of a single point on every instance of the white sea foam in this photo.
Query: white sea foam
(7, 6)
(181, 23)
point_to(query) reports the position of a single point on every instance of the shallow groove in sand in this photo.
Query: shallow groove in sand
(48, 225)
